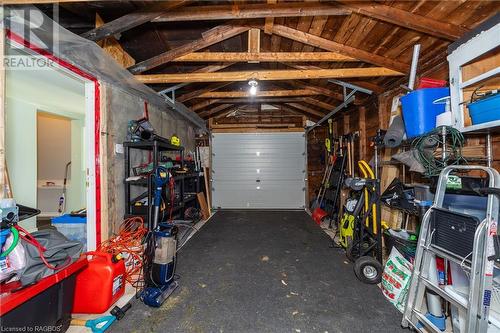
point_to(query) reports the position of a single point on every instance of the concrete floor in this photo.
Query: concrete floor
(264, 271)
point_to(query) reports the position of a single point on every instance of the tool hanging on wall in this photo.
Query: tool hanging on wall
(62, 199)
(377, 142)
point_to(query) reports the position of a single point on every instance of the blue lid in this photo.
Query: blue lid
(67, 218)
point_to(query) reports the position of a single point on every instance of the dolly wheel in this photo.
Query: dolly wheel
(368, 270)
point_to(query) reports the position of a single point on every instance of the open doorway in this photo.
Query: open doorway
(60, 166)
(50, 138)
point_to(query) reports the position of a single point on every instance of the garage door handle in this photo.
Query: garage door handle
(258, 180)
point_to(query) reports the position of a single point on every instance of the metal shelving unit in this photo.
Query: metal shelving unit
(187, 185)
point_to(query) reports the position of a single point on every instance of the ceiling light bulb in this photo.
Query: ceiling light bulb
(253, 87)
(253, 90)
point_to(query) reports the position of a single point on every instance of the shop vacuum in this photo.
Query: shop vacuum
(160, 254)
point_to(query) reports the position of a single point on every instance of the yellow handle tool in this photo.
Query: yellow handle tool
(368, 172)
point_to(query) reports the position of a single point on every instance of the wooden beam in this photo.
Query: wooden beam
(112, 47)
(204, 104)
(321, 90)
(216, 110)
(268, 75)
(200, 92)
(363, 84)
(306, 109)
(406, 19)
(269, 93)
(131, 20)
(268, 26)
(267, 100)
(253, 43)
(265, 57)
(249, 11)
(329, 45)
(210, 37)
(288, 108)
(213, 68)
(318, 103)
(256, 125)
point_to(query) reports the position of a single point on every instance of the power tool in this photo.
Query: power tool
(160, 255)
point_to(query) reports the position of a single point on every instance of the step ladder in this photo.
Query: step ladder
(480, 269)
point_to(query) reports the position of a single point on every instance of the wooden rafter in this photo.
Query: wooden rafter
(268, 75)
(266, 100)
(197, 93)
(249, 11)
(204, 104)
(269, 93)
(406, 19)
(254, 43)
(112, 47)
(131, 20)
(210, 37)
(329, 45)
(268, 25)
(216, 110)
(319, 103)
(319, 90)
(305, 109)
(290, 110)
(265, 57)
(363, 84)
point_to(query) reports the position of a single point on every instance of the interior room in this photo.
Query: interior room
(250, 166)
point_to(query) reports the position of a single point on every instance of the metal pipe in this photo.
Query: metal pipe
(330, 114)
(443, 136)
(414, 65)
(489, 151)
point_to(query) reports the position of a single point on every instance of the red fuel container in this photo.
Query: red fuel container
(99, 285)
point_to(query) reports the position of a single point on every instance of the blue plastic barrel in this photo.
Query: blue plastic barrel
(419, 111)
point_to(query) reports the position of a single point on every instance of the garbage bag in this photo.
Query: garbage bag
(59, 252)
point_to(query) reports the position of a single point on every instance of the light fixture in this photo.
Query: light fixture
(253, 87)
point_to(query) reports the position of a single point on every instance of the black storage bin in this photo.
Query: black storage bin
(453, 232)
(406, 247)
(49, 311)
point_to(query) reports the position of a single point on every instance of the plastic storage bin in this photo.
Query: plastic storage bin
(485, 110)
(419, 111)
(406, 247)
(100, 285)
(73, 227)
(45, 305)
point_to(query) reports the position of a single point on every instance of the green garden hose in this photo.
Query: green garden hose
(15, 233)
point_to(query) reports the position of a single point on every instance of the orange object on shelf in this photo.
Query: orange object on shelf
(100, 285)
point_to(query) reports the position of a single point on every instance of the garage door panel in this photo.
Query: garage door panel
(245, 195)
(264, 170)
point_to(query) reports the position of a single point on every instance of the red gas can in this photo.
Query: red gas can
(99, 285)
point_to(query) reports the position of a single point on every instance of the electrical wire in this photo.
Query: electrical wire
(129, 242)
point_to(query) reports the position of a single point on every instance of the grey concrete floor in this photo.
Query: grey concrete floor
(264, 271)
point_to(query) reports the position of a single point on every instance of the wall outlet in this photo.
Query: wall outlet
(118, 148)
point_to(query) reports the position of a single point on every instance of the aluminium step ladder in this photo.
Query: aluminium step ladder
(479, 267)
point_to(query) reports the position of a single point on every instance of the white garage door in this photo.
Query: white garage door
(258, 170)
